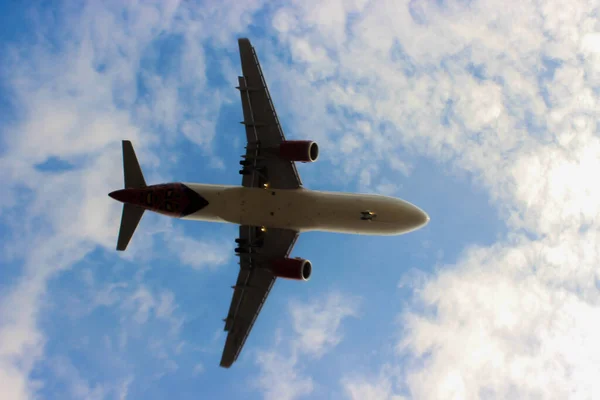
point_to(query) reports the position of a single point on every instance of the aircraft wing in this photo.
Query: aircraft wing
(263, 130)
(253, 284)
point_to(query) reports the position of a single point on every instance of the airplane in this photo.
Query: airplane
(271, 206)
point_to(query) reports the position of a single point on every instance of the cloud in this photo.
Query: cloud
(198, 369)
(508, 94)
(317, 324)
(141, 301)
(77, 387)
(200, 254)
(456, 91)
(316, 330)
(141, 332)
(514, 319)
(71, 385)
(554, 184)
(79, 83)
(373, 387)
(279, 378)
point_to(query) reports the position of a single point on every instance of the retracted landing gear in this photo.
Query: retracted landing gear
(247, 247)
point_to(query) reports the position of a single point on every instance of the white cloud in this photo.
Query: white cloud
(74, 84)
(72, 385)
(317, 324)
(510, 95)
(200, 254)
(393, 68)
(77, 386)
(524, 308)
(373, 388)
(279, 378)
(555, 184)
(198, 369)
(142, 302)
(145, 316)
(166, 305)
(317, 330)
(20, 386)
(387, 188)
(137, 303)
(284, 21)
(517, 318)
(123, 390)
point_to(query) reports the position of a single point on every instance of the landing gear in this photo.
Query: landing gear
(248, 169)
(367, 215)
(247, 247)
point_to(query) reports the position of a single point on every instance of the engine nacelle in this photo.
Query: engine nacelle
(292, 268)
(299, 150)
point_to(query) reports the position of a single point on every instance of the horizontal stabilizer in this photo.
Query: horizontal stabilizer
(129, 221)
(131, 168)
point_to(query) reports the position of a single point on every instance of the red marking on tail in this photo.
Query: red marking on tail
(172, 199)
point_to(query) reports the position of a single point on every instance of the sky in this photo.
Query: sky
(484, 113)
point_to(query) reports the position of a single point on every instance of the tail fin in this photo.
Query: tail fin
(129, 221)
(134, 179)
(131, 168)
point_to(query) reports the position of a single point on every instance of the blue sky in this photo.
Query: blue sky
(485, 116)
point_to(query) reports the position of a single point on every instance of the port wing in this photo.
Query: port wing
(253, 284)
(263, 131)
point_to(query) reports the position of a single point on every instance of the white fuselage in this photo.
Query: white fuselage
(307, 210)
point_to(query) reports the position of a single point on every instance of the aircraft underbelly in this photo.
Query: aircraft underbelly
(341, 212)
(223, 203)
(252, 206)
(274, 208)
(306, 210)
(303, 210)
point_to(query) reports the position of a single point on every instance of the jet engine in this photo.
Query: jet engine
(292, 268)
(299, 150)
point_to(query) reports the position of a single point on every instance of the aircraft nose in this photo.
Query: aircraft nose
(416, 217)
(407, 217)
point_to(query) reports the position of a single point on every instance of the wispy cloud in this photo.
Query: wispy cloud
(200, 254)
(509, 94)
(317, 330)
(524, 316)
(77, 387)
(317, 324)
(280, 378)
(381, 387)
(80, 83)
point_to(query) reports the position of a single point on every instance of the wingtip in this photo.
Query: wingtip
(244, 42)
